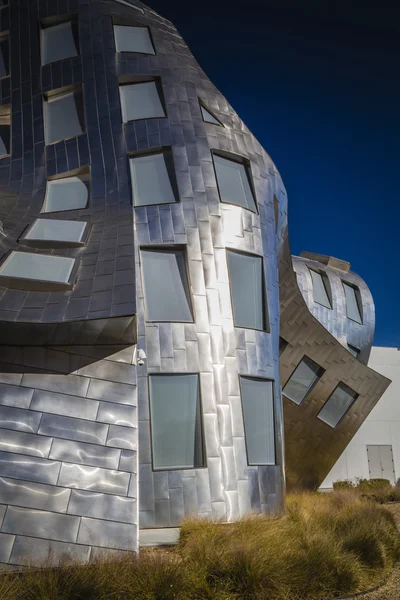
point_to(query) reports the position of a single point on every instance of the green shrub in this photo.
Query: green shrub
(343, 485)
(374, 484)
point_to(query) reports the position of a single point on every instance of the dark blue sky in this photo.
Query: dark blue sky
(318, 83)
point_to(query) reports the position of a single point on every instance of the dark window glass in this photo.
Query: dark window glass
(59, 42)
(4, 57)
(5, 135)
(337, 405)
(302, 380)
(352, 303)
(246, 278)
(258, 418)
(319, 287)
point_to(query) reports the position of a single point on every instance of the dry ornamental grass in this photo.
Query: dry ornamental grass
(326, 545)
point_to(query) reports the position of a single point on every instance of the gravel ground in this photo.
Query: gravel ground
(391, 590)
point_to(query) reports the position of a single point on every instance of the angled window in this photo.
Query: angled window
(353, 350)
(337, 405)
(55, 233)
(64, 116)
(4, 56)
(176, 426)
(166, 286)
(67, 193)
(247, 290)
(23, 269)
(233, 179)
(258, 419)
(153, 179)
(353, 303)
(276, 212)
(303, 378)
(58, 40)
(5, 130)
(208, 116)
(320, 288)
(129, 38)
(141, 100)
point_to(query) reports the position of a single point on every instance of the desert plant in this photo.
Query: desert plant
(343, 485)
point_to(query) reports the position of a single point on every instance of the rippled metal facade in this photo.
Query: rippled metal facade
(74, 406)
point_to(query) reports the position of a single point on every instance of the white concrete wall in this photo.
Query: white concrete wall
(382, 427)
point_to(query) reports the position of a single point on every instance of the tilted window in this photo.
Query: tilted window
(207, 115)
(141, 101)
(352, 302)
(48, 269)
(302, 380)
(64, 116)
(337, 405)
(176, 424)
(4, 56)
(153, 179)
(233, 178)
(247, 290)
(258, 418)
(46, 233)
(59, 41)
(320, 290)
(353, 350)
(67, 193)
(133, 39)
(5, 130)
(166, 286)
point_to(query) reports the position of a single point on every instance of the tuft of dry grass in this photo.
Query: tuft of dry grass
(325, 545)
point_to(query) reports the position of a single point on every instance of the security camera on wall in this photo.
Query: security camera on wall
(141, 357)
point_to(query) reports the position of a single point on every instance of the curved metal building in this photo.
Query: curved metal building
(139, 375)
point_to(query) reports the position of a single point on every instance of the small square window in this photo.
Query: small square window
(176, 423)
(22, 270)
(320, 286)
(141, 101)
(48, 233)
(5, 130)
(59, 41)
(233, 179)
(302, 380)
(258, 417)
(64, 116)
(353, 302)
(247, 290)
(4, 56)
(67, 193)
(153, 179)
(129, 38)
(337, 405)
(166, 286)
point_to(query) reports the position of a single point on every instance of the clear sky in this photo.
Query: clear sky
(318, 83)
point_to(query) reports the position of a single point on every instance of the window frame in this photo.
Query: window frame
(5, 37)
(167, 248)
(52, 95)
(355, 397)
(202, 432)
(6, 115)
(265, 307)
(357, 295)
(354, 349)
(164, 150)
(325, 283)
(121, 22)
(40, 285)
(318, 378)
(130, 80)
(266, 380)
(49, 243)
(83, 173)
(49, 22)
(204, 105)
(246, 163)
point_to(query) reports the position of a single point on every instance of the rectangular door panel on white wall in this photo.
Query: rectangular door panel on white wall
(380, 462)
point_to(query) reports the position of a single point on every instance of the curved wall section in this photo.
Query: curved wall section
(353, 326)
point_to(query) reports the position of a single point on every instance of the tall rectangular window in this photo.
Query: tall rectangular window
(141, 101)
(4, 56)
(233, 179)
(129, 38)
(337, 405)
(352, 302)
(302, 380)
(176, 424)
(59, 41)
(320, 290)
(67, 193)
(258, 418)
(48, 269)
(166, 286)
(247, 290)
(5, 130)
(64, 116)
(153, 179)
